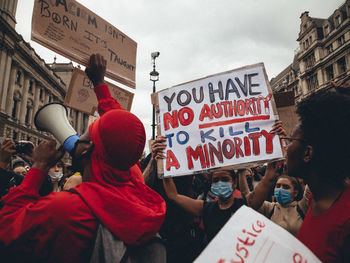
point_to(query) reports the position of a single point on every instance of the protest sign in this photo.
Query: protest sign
(81, 95)
(75, 32)
(221, 120)
(250, 237)
(286, 110)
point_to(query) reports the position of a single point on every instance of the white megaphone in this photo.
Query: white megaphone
(52, 118)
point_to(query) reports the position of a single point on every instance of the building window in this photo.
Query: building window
(341, 40)
(341, 65)
(18, 77)
(338, 20)
(41, 94)
(312, 82)
(50, 98)
(310, 60)
(14, 108)
(326, 30)
(329, 49)
(330, 72)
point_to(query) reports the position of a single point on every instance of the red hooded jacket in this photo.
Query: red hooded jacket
(61, 227)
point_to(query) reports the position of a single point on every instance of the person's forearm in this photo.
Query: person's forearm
(34, 179)
(242, 181)
(4, 165)
(105, 100)
(170, 188)
(150, 172)
(256, 198)
(193, 206)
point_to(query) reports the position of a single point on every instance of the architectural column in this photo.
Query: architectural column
(3, 58)
(36, 101)
(24, 100)
(303, 85)
(5, 83)
(47, 95)
(9, 101)
(31, 115)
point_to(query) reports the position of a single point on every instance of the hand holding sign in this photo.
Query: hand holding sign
(158, 146)
(96, 69)
(217, 121)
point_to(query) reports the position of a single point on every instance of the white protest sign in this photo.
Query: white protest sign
(221, 120)
(250, 237)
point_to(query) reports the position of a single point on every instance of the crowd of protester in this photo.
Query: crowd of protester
(106, 206)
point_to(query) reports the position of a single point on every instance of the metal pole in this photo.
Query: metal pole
(154, 115)
(154, 76)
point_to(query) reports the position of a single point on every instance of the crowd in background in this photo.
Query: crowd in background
(308, 194)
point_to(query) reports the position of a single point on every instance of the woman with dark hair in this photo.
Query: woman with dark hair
(215, 214)
(290, 205)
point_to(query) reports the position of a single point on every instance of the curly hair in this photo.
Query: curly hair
(325, 123)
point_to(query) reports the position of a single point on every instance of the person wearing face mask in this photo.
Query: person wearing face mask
(216, 213)
(56, 174)
(288, 211)
(290, 205)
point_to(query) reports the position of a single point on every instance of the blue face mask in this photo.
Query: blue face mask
(282, 196)
(222, 190)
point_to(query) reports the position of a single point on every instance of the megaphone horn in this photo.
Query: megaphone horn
(52, 118)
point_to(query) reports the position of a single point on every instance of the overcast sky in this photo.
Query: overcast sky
(196, 38)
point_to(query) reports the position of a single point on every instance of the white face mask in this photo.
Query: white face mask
(55, 176)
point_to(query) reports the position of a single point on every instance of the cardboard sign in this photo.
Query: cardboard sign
(72, 30)
(286, 110)
(250, 237)
(81, 95)
(218, 121)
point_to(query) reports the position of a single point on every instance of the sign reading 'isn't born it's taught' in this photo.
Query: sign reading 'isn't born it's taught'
(75, 32)
(221, 120)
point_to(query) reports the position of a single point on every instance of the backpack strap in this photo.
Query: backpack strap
(272, 211)
(300, 212)
(72, 191)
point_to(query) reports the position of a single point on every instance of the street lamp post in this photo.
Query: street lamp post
(154, 76)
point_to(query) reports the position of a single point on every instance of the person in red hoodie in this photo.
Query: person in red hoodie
(62, 226)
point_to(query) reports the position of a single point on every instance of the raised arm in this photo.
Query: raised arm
(44, 156)
(193, 206)
(150, 172)
(256, 198)
(304, 202)
(242, 181)
(96, 70)
(7, 148)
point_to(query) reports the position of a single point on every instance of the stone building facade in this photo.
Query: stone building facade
(27, 83)
(323, 55)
